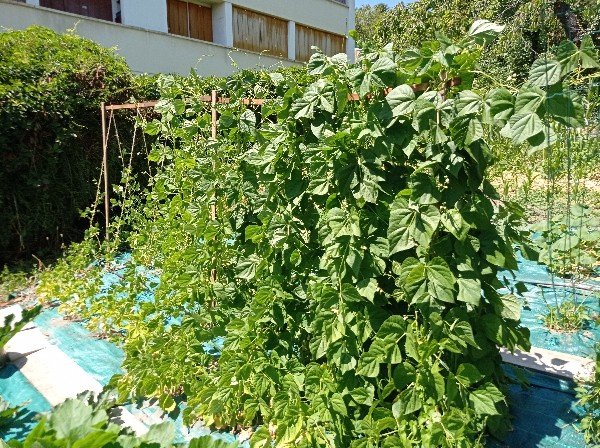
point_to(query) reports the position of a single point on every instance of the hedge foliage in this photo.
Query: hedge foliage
(51, 87)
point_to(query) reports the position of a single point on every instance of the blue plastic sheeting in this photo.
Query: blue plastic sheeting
(538, 299)
(544, 415)
(17, 391)
(98, 358)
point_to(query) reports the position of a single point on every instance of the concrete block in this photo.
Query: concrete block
(555, 363)
(25, 342)
(55, 375)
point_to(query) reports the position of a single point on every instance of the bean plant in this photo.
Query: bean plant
(345, 293)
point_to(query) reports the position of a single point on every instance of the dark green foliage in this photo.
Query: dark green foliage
(51, 87)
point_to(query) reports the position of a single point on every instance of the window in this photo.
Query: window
(189, 19)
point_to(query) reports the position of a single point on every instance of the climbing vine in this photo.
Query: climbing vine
(346, 294)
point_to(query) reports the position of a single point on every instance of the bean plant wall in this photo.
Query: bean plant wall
(346, 293)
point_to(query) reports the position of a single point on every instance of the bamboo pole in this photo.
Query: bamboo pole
(105, 165)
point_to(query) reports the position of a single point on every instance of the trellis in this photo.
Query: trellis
(107, 110)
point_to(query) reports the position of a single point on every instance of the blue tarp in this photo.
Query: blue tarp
(544, 415)
(538, 299)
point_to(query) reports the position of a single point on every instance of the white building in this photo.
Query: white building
(214, 37)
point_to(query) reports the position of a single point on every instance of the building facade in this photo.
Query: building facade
(213, 37)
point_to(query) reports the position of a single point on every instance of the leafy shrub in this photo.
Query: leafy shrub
(589, 398)
(84, 423)
(570, 243)
(51, 87)
(352, 266)
(567, 317)
(7, 414)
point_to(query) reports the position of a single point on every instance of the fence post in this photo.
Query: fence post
(105, 165)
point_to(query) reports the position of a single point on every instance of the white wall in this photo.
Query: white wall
(350, 44)
(222, 24)
(145, 51)
(148, 14)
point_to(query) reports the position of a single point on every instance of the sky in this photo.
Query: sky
(375, 2)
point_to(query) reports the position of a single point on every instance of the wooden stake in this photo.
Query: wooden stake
(105, 165)
(213, 206)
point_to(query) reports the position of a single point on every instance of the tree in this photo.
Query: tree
(532, 26)
(368, 18)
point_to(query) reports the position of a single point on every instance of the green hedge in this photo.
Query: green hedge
(51, 87)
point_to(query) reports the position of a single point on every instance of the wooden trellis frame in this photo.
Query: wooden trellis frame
(214, 99)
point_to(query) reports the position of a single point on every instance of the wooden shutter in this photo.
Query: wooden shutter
(200, 20)
(98, 9)
(258, 32)
(306, 37)
(177, 17)
(189, 19)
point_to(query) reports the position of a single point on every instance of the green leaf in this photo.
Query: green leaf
(260, 438)
(367, 288)
(96, 439)
(468, 103)
(588, 53)
(246, 268)
(469, 291)
(441, 280)
(401, 100)
(368, 364)
(385, 71)
(484, 31)
(525, 126)
(474, 131)
(336, 401)
(404, 374)
(510, 307)
(529, 99)
(363, 395)
(411, 226)
(318, 95)
(485, 398)
(467, 374)
(72, 420)
(408, 402)
(454, 223)
(545, 72)
(394, 327)
(247, 121)
(161, 434)
(462, 332)
(501, 104)
(568, 55)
